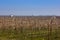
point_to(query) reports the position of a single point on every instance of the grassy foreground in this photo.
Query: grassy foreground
(29, 34)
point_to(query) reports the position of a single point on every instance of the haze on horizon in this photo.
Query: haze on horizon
(30, 7)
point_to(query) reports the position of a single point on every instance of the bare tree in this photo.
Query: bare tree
(50, 28)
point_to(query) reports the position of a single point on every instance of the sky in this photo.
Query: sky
(30, 7)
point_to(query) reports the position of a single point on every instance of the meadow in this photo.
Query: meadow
(29, 34)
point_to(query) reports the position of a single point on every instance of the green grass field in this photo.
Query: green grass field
(29, 34)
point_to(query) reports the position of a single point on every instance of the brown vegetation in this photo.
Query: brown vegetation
(28, 21)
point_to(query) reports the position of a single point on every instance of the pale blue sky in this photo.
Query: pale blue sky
(30, 7)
